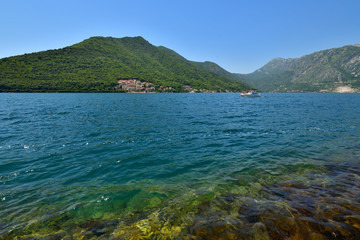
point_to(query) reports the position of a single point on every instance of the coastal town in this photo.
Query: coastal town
(136, 86)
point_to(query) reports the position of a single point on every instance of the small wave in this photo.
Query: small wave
(9, 176)
(64, 113)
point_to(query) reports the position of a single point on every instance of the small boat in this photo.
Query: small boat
(251, 93)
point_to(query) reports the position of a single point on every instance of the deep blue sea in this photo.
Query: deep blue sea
(179, 166)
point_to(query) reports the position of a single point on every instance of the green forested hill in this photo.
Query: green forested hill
(210, 66)
(98, 62)
(325, 71)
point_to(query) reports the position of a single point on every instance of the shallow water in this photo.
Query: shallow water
(179, 166)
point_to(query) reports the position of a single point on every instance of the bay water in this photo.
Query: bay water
(179, 166)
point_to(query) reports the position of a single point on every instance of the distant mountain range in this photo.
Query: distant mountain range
(332, 70)
(98, 64)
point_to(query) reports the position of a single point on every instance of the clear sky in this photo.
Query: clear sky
(241, 36)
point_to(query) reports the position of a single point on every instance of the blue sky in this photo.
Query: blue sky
(241, 36)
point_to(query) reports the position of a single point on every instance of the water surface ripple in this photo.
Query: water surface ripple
(179, 166)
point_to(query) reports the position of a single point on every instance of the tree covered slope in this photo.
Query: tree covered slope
(98, 62)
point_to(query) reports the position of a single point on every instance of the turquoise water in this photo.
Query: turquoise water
(179, 166)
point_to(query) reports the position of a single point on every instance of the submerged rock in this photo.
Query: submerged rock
(260, 233)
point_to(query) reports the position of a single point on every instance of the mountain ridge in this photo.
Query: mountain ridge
(97, 64)
(323, 71)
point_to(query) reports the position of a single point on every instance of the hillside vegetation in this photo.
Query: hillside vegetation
(324, 71)
(96, 64)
